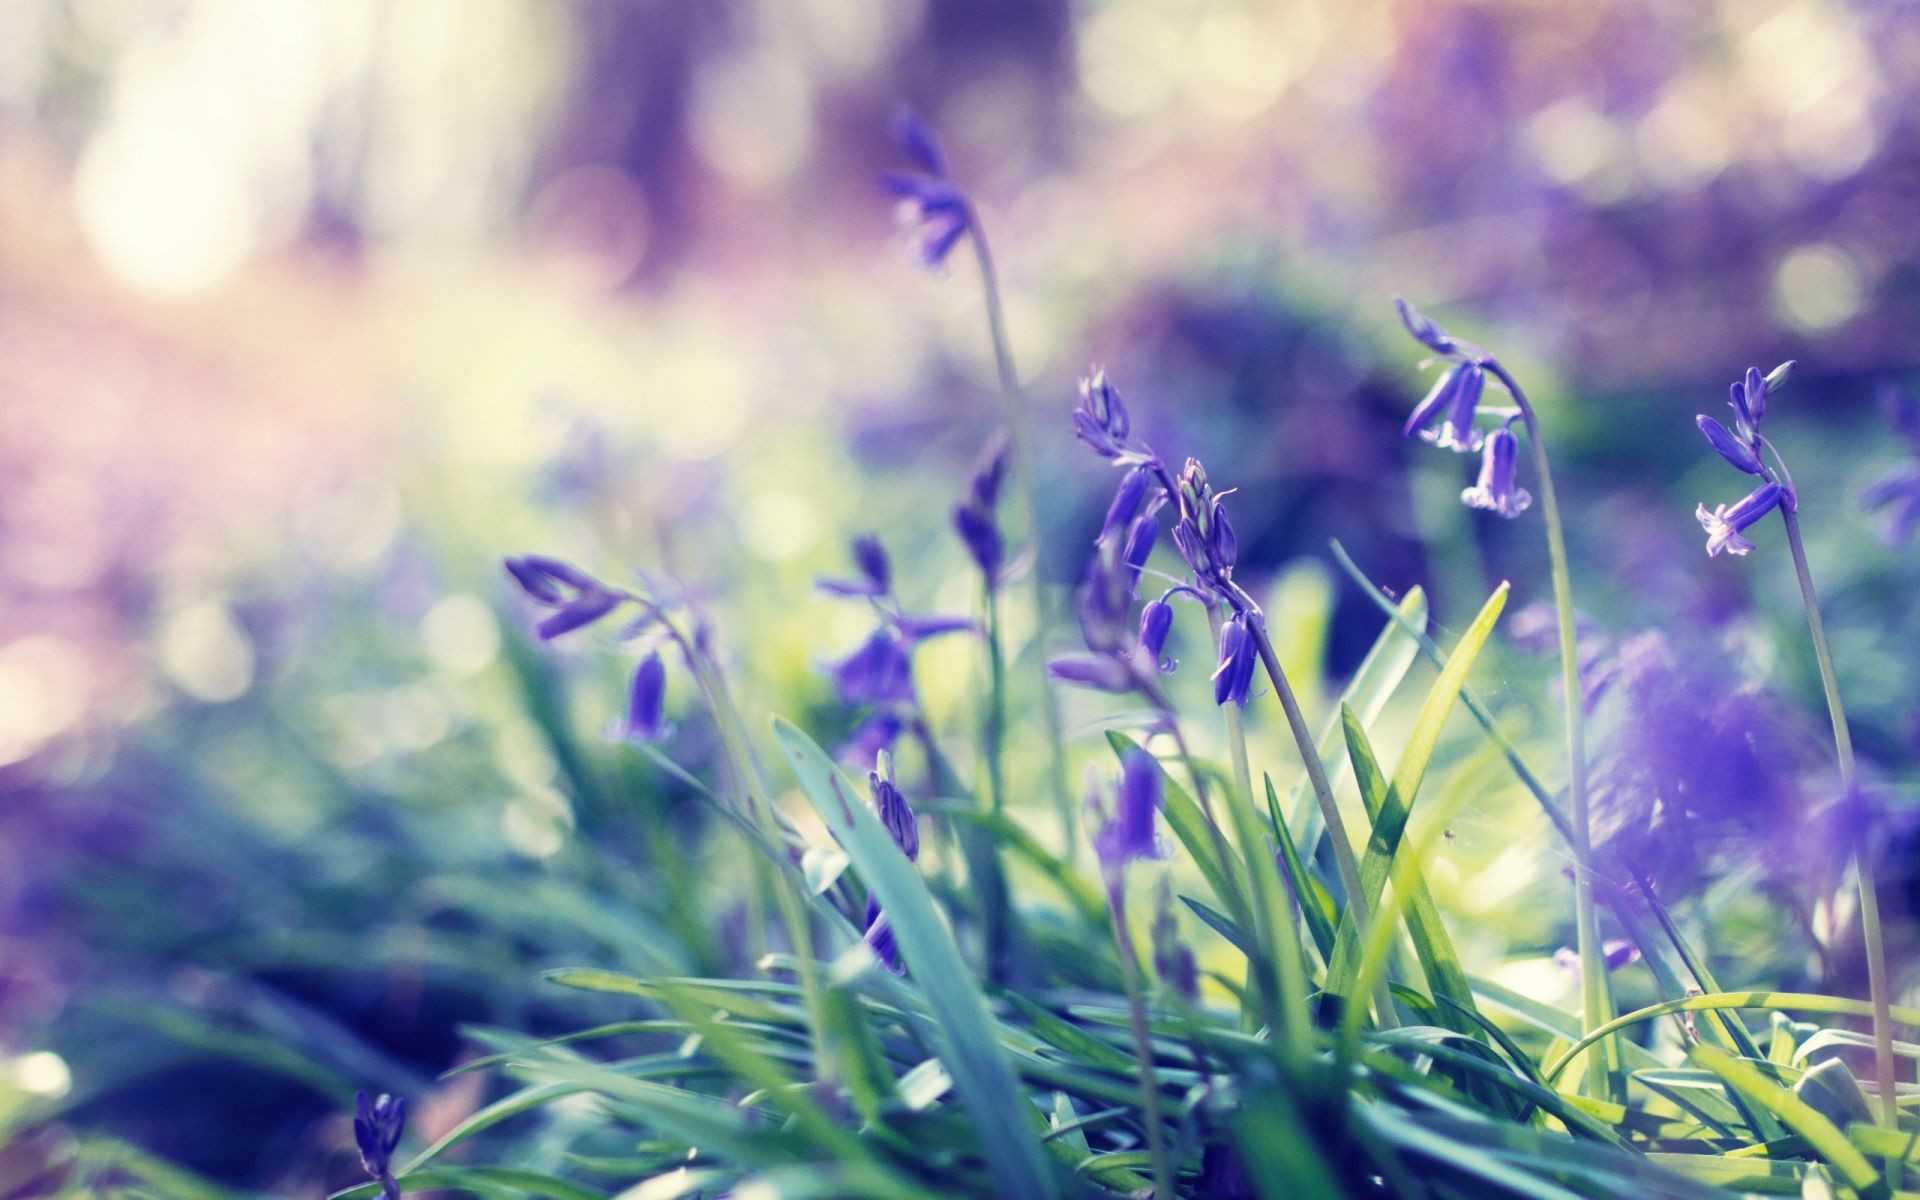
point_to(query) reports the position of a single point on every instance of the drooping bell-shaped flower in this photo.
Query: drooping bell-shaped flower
(377, 1125)
(646, 701)
(1455, 399)
(879, 671)
(1129, 832)
(1233, 678)
(929, 204)
(577, 598)
(1725, 524)
(875, 571)
(1495, 490)
(1739, 452)
(1156, 622)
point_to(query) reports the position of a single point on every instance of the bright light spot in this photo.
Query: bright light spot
(751, 116)
(1572, 140)
(1240, 66)
(1128, 58)
(704, 405)
(162, 207)
(592, 223)
(779, 525)
(206, 653)
(41, 1073)
(460, 634)
(43, 691)
(1685, 141)
(536, 825)
(1818, 287)
(415, 718)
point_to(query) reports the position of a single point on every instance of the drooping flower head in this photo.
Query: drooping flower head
(1455, 401)
(1203, 534)
(1239, 653)
(1128, 833)
(875, 578)
(645, 719)
(1101, 420)
(1726, 524)
(975, 520)
(377, 1124)
(1156, 622)
(576, 598)
(1105, 607)
(928, 203)
(1495, 490)
(879, 671)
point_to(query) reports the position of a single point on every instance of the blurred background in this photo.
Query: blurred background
(310, 310)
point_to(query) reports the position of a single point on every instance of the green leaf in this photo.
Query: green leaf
(1316, 903)
(1078, 1044)
(1221, 924)
(963, 1028)
(1823, 1135)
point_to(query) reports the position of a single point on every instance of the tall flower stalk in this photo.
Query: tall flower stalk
(1747, 449)
(1446, 418)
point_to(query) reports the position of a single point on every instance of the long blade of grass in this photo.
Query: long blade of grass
(1821, 1134)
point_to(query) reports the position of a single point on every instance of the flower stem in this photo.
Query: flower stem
(994, 885)
(1015, 416)
(1596, 1004)
(1877, 981)
(1163, 1180)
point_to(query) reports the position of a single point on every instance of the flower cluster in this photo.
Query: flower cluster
(578, 600)
(1897, 493)
(1743, 448)
(1446, 416)
(929, 204)
(377, 1124)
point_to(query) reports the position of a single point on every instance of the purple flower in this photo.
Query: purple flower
(1101, 672)
(917, 140)
(1616, 951)
(1128, 833)
(1139, 548)
(876, 571)
(918, 627)
(974, 519)
(1203, 534)
(893, 810)
(1495, 491)
(1238, 653)
(1458, 392)
(577, 598)
(879, 938)
(1740, 452)
(1101, 420)
(376, 1130)
(646, 701)
(1127, 501)
(875, 734)
(929, 204)
(1156, 622)
(989, 474)
(1425, 331)
(880, 671)
(1724, 525)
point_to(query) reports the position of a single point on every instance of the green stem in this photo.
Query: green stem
(1015, 416)
(1596, 1004)
(1163, 1179)
(1877, 981)
(995, 885)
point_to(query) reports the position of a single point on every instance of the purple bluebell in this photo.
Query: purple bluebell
(377, 1124)
(1138, 548)
(1100, 672)
(1156, 622)
(875, 568)
(1173, 959)
(1725, 524)
(1128, 833)
(1203, 534)
(646, 701)
(1897, 492)
(975, 519)
(577, 598)
(892, 808)
(919, 627)
(879, 671)
(1495, 490)
(1238, 653)
(879, 938)
(928, 202)
(1128, 499)
(879, 732)
(1617, 953)
(1738, 452)
(1426, 331)
(1101, 420)
(1455, 399)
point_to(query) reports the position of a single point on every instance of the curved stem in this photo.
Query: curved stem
(1596, 1004)
(1877, 981)
(1015, 416)
(1163, 1180)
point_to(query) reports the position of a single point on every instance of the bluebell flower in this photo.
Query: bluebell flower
(1495, 491)
(1238, 654)
(1616, 952)
(577, 598)
(879, 732)
(1100, 672)
(1455, 398)
(1897, 493)
(1725, 524)
(646, 701)
(876, 571)
(928, 202)
(880, 940)
(1101, 420)
(892, 808)
(1426, 331)
(1741, 453)
(1128, 833)
(377, 1124)
(1128, 500)
(879, 671)
(1156, 622)
(1203, 534)
(1137, 549)
(975, 519)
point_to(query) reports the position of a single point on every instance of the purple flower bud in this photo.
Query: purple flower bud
(1756, 390)
(1127, 499)
(1156, 622)
(1495, 491)
(1101, 672)
(1224, 545)
(878, 672)
(1234, 676)
(646, 701)
(918, 627)
(1724, 524)
(990, 473)
(582, 611)
(917, 140)
(1139, 548)
(879, 938)
(876, 571)
(1424, 330)
(894, 813)
(377, 1124)
(1731, 448)
(1129, 832)
(1457, 433)
(547, 580)
(981, 536)
(1101, 420)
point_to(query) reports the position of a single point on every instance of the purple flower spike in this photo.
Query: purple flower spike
(1724, 525)
(1737, 452)
(1234, 676)
(893, 810)
(1464, 384)
(1156, 622)
(377, 1124)
(1101, 672)
(1129, 833)
(1101, 420)
(1424, 330)
(1495, 491)
(879, 672)
(646, 702)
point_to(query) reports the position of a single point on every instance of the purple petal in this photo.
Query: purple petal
(585, 610)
